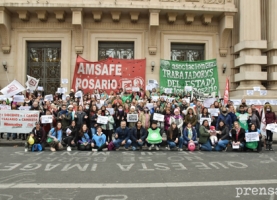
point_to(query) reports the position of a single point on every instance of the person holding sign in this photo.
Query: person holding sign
(99, 141)
(108, 128)
(119, 116)
(80, 117)
(154, 136)
(122, 136)
(270, 118)
(222, 135)
(93, 119)
(134, 112)
(39, 137)
(238, 137)
(84, 141)
(70, 136)
(174, 137)
(55, 137)
(138, 135)
(224, 116)
(255, 144)
(64, 117)
(190, 135)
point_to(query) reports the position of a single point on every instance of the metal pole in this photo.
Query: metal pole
(7, 77)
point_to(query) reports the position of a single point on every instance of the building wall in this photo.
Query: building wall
(216, 23)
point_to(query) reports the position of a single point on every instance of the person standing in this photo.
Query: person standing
(270, 118)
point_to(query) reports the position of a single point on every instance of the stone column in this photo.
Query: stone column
(249, 47)
(272, 44)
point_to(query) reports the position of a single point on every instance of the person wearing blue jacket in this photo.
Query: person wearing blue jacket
(138, 135)
(84, 142)
(232, 114)
(190, 135)
(55, 137)
(99, 140)
(122, 136)
(224, 116)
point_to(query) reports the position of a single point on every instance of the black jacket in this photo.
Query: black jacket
(240, 137)
(224, 133)
(133, 134)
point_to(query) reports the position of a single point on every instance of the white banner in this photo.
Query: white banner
(13, 121)
(32, 83)
(252, 137)
(24, 108)
(158, 117)
(102, 120)
(46, 119)
(12, 89)
(132, 117)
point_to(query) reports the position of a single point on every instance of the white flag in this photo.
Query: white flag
(12, 89)
(263, 124)
(32, 83)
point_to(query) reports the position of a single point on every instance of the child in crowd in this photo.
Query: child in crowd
(213, 136)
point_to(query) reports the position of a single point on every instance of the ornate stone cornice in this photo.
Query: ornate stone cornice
(60, 15)
(171, 17)
(42, 15)
(24, 15)
(97, 15)
(116, 15)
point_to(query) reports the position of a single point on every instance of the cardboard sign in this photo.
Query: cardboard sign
(150, 105)
(132, 117)
(40, 88)
(48, 97)
(46, 119)
(18, 98)
(102, 120)
(155, 98)
(213, 111)
(158, 117)
(111, 110)
(252, 137)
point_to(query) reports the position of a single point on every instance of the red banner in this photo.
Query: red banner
(109, 74)
(226, 92)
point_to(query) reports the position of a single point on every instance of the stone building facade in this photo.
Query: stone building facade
(43, 37)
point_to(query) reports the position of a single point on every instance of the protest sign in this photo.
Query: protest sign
(252, 137)
(40, 88)
(13, 121)
(235, 146)
(158, 117)
(5, 107)
(271, 127)
(111, 110)
(250, 92)
(32, 83)
(205, 118)
(78, 94)
(188, 88)
(18, 98)
(208, 102)
(168, 90)
(155, 98)
(64, 81)
(150, 105)
(109, 74)
(24, 108)
(213, 111)
(48, 97)
(170, 99)
(132, 117)
(102, 120)
(243, 117)
(201, 75)
(135, 89)
(13, 88)
(3, 98)
(256, 89)
(163, 97)
(46, 119)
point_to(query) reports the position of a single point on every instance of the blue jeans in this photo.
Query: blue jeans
(93, 131)
(221, 145)
(186, 143)
(173, 144)
(136, 144)
(117, 143)
(206, 146)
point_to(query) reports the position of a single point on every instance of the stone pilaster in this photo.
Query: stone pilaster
(272, 44)
(249, 47)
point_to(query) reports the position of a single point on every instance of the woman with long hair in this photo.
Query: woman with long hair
(84, 141)
(55, 137)
(174, 137)
(238, 136)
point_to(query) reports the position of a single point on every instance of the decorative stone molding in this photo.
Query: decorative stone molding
(42, 15)
(60, 15)
(24, 15)
(189, 18)
(134, 16)
(169, 0)
(214, 1)
(192, 0)
(116, 15)
(79, 49)
(171, 17)
(153, 31)
(226, 26)
(152, 50)
(77, 22)
(206, 19)
(139, 0)
(97, 15)
(5, 30)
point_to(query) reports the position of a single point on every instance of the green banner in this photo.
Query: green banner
(201, 75)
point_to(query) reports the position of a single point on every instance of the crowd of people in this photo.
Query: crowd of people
(186, 124)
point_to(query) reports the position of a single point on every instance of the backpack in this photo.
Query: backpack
(111, 146)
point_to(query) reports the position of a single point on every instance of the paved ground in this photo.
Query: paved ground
(162, 175)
